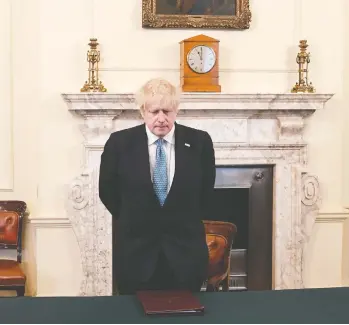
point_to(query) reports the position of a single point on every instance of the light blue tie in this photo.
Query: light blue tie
(160, 172)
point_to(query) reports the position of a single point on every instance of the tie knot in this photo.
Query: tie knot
(160, 141)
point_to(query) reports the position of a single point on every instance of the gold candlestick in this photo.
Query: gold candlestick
(93, 57)
(303, 59)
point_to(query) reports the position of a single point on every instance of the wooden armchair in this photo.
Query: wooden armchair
(219, 238)
(11, 223)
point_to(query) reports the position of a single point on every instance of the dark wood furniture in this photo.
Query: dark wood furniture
(219, 238)
(11, 224)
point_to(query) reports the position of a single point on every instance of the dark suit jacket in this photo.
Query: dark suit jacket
(144, 228)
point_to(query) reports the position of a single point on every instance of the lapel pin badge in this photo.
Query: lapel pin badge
(187, 144)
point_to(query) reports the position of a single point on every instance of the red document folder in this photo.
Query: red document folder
(170, 303)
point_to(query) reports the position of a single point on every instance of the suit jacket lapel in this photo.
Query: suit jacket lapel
(140, 158)
(180, 161)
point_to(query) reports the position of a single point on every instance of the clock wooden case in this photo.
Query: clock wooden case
(199, 65)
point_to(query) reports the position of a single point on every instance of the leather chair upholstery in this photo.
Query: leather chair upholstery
(219, 239)
(11, 221)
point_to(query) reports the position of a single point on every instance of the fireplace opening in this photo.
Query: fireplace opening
(243, 195)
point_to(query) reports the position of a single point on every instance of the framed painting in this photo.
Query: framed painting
(211, 14)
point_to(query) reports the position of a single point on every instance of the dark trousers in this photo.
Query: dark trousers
(162, 279)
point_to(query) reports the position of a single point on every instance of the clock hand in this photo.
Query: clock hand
(200, 54)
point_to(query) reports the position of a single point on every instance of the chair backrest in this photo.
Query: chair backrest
(11, 224)
(219, 239)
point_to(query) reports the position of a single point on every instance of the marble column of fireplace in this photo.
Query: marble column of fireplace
(246, 129)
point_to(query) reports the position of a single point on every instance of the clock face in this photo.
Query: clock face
(201, 59)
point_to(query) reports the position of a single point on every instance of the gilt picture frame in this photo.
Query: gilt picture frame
(205, 14)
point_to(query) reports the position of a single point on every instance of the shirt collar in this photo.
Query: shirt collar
(169, 137)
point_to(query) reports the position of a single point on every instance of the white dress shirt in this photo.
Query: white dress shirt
(169, 146)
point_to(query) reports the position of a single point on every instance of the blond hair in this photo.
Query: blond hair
(159, 91)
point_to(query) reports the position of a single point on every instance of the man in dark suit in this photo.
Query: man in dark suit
(157, 181)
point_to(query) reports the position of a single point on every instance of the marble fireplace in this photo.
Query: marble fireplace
(247, 130)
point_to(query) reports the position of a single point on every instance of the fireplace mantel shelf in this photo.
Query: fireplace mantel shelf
(192, 104)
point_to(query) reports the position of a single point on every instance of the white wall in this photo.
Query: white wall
(6, 158)
(44, 55)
